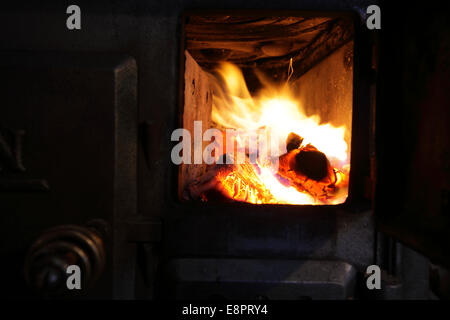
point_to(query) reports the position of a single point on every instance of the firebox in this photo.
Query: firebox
(266, 108)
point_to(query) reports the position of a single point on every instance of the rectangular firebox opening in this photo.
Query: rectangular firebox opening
(267, 108)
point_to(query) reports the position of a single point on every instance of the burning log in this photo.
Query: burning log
(208, 185)
(227, 182)
(308, 170)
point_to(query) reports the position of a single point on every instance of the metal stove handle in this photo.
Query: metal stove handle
(48, 259)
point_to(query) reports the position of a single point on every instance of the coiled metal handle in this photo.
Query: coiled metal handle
(57, 248)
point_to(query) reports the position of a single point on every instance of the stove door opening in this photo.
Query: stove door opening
(267, 112)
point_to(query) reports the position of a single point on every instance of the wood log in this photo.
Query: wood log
(228, 182)
(308, 169)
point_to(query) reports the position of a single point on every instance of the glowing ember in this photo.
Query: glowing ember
(275, 111)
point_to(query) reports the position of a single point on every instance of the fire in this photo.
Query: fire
(276, 111)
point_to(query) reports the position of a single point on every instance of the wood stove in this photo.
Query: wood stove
(91, 116)
(295, 118)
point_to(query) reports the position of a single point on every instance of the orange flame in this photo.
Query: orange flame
(275, 110)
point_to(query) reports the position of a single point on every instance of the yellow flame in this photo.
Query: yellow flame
(283, 194)
(277, 110)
